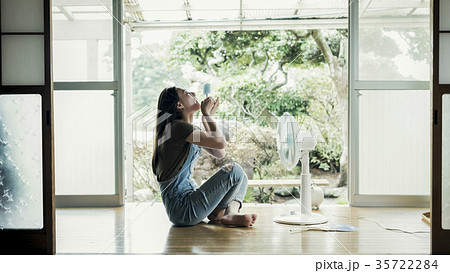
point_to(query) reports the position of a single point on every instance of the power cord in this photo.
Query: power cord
(388, 228)
(321, 227)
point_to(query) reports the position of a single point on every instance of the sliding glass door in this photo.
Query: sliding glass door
(27, 209)
(87, 41)
(440, 204)
(390, 106)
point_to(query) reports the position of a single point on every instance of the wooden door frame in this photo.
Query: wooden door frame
(41, 241)
(440, 238)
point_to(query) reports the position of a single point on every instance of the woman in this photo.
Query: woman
(177, 148)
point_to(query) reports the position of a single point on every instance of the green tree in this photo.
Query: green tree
(253, 68)
(151, 74)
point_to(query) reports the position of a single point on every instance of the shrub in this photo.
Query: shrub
(143, 176)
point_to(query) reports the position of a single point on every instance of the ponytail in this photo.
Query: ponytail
(167, 112)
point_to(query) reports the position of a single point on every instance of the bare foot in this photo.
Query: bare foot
(216, 214)
(240, 220)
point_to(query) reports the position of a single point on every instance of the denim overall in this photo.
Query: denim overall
(188, 204)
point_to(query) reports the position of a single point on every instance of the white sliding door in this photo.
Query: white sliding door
(390, 107)
(87, 61)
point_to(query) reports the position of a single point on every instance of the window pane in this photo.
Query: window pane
(446, 161)
(82, 41)
(22, 15)
(21, 196)
(444, 19)
(394, 40)
(394, 142)
(444, 58)
(73, 53)
(84, 142)
(23, 60)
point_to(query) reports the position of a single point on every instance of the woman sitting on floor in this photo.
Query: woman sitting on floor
(178, 145)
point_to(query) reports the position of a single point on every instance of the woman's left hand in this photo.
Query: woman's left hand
(215, 104)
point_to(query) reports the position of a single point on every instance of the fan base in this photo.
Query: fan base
(301, 219)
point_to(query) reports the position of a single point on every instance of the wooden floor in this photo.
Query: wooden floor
(144, 229)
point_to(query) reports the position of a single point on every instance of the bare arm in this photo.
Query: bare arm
(211, 127)
(212, 139)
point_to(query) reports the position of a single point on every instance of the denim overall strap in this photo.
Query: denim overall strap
(178, 183)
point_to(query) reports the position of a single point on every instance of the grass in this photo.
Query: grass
(342, 200)
(249, 196)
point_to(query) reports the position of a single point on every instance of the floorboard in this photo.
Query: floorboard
(139, 228)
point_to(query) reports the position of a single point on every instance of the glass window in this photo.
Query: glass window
(394, 142)
(21, 195)
(394, 40)
(84, 142)
(82, 41)
(23, 60)
(31, 17)
(73, 53)
(444, 10)
(446, 161)
(444, 58)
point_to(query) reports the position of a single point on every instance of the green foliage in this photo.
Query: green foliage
(255, 146)
(290, 100)
(342, 200)
(375, 40)
(327, 153)
(248, 94)
(250, 98)
(142, 169)
(244, 97)
(418, 40)
(313, 55)
(249, 196)
(264, 195)
(254, 87)
(380, 47)
(194, 47)
(242, 49)
(259, 76)
(253, 72)
(151, 75)
(323, 117)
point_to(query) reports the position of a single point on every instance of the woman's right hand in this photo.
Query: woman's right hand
(209, 106)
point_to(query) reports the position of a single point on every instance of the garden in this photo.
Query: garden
(259, 75)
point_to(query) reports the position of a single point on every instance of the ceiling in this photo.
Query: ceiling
(245, 14)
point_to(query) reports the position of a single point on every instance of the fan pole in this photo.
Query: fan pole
(305, 197)
(306, 217)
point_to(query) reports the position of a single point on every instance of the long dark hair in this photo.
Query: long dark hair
(167, 104)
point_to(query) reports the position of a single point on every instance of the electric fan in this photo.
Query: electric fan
(293, 145)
